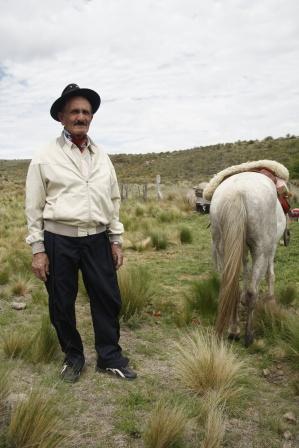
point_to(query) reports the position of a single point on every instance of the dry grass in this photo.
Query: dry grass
(165, 426)
(136, 290)
(215, 422)
(35, 423)
(16, 344)
(207, 363)
(46, 345)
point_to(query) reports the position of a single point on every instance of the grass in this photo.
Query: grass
(185, 235)
(45, 346)
(214, 428)
(4, 277)
(207, 363)
(136, 288)
(35, 423)
(148, 338)
(16, 344)
(165, 426)
(203, 297)
(159, 240)
(287, 295)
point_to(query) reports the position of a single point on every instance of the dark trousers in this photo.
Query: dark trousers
(92, 255)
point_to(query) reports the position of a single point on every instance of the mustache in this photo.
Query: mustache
(80, 123)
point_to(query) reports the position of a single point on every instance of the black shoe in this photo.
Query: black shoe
(122, 372)
(70, 372)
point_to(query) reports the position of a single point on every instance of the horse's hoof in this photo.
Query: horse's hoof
(248, 340)
(233, 337)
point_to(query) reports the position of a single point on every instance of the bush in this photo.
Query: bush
(136, 291)
(185, 235)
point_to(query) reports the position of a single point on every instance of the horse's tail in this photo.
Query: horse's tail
(232, 222)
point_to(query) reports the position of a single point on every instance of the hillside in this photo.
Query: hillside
(191, 164)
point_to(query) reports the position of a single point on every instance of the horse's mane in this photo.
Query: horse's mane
(277, 168)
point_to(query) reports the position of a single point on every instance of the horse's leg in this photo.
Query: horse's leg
(259, 266)
(234, 328)
(246, 276)
(271, 278)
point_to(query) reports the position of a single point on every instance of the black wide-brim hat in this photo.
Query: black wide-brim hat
(74, 90)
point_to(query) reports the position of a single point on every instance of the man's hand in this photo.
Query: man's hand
(117, 255)
(40, 266)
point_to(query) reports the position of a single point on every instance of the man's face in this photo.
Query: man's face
(76, 116)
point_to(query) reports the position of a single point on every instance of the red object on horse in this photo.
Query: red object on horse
(294, 213)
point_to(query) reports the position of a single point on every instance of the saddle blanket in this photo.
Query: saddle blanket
(280, 175)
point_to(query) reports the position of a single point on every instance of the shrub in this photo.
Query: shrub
(165, 426)
(159, 240)
(185, 235)
(207, 363)
(136, 290)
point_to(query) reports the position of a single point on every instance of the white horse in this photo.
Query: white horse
(246, 217)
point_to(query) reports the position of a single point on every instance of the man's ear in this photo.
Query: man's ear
(60, 116)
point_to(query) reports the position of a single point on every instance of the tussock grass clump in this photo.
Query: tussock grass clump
(139, 210)
(45, 346)
(4, 392)
(39, 297)
(159, 240)
(165, 426)
(290, 337)
(16, 344)
(203, 297)
(167, 216)
(136, 289)
(215, 422)
(186, 235)
(4, 277)
(21, 285)
(35, 423)
(269, 319)
(287, 295)
(207, 363)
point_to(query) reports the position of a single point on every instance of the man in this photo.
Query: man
(72, 206)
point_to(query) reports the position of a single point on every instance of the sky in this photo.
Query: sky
(172, 74)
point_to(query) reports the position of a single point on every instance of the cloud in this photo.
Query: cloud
(172, 74)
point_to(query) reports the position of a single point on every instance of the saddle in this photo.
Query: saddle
(277, 172)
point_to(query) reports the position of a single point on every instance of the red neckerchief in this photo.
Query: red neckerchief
(80, 142)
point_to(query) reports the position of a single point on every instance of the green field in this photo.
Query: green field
(100, 411)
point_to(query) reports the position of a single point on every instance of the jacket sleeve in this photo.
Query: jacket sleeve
(116, 229)
(35, 203)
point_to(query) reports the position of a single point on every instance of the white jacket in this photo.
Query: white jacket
(57, 191)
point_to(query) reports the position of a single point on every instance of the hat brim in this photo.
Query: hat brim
(92, 96)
